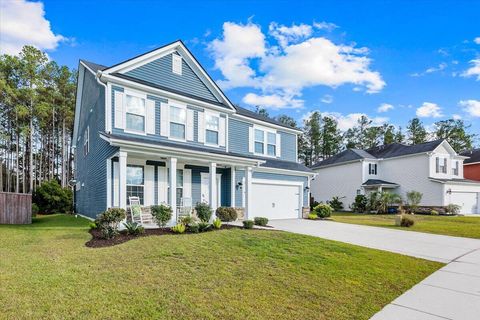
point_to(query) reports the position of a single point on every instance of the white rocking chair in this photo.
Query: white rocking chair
(185, 208)
(135, 209)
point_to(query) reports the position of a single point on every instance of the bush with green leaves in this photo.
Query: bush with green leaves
(434, 212)
(204, 211)
(452, 209)
(360, 204)
(226, 214)
(193, 227)
(204, 226)
(413, 199)
(134, 229)
(312, 216)
(186, 220)
(162, 214)
(248, 224)
(109, 220)
(179, 228)
(313, 204)
(51, 198)
(35, 210)
(92, 226)
(217, 223)
(336, 204)
(407, 221)
(260, 221)
(323, 210)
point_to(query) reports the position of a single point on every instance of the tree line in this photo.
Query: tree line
(37, 98)
(321, 138)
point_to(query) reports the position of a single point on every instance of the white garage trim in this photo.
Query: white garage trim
(297, 184)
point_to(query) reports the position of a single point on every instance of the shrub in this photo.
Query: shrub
(92, 226)
(186, 220)
(414, 198)
(162, 214)
(336, 204)
(323, 210)
(312, 216)
(204, 226)
(204, 211)
(50, 198)
(134, 228)
(434, 212)
(217, 223)
(179, 228)
(260, 221)
(313, 204)
(226, 214)
(407, 221)
(452, 209)
(108, 221)
(109, 232)
(248, 224)
(34, 210)
(193, 227)
(360, 204)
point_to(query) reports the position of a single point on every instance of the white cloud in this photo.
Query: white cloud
(23, 23)
(438, 68)
(384, 107)
(474, 70)
(287, 35)
(429, 110)
(472, 107)
(477, 40)
(325, 25)
(456, 116)
(327, 99)
(247, 57)
(273, 101)
(232, 53)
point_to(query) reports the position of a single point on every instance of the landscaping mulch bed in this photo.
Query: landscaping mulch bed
(98, 241)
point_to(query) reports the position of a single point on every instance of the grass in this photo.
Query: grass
(452, 226)
(46, 272)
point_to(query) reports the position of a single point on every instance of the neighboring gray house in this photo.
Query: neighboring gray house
(432, 168)
(158, 120)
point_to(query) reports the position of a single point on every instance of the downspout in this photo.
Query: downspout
(107, 118)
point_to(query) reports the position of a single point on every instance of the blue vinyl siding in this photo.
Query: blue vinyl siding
(238, 134)
(91, 170)
(285, 177)
(288, 142)
(196, 184)
(160, 73)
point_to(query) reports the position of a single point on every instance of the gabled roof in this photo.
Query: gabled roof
(250, 114)
(380, 152)
(474, 156)
(93, 66)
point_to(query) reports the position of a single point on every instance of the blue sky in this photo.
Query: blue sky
(341, 58)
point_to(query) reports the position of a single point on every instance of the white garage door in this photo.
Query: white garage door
(466, 200)
(275, 201)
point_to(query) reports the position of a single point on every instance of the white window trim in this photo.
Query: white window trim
(138, 185)
(184, 108)
(212, 114)
(141, 96)
(177, 59)
(265, 141)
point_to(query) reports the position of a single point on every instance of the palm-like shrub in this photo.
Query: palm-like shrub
(387, 199)
(161, 214)
(413, 199)
(360, 204)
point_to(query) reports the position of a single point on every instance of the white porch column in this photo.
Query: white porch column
(233, 186)
(122, 179)
(109, 183)
(248, 193)
(172, 164)
(213, 186)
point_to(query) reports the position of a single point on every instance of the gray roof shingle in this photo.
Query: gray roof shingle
(473, 154)
(94, 66)
(374, 182)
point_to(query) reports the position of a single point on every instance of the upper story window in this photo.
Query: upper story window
(178, 118)
(177, 64)
(211, 127)
(259, 141)
(86, 141)
(135, 113)
(135, 182)
(271, 144)
(455, 168)
(440, 165)
(372, 168)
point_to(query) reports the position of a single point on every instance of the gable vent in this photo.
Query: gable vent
(177, 64)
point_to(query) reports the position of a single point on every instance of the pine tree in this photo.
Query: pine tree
(416, 131)
(455, 132)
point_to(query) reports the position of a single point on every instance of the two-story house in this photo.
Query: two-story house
(432, 168)
(157, 127)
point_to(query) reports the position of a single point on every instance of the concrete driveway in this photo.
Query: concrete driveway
(452, 292)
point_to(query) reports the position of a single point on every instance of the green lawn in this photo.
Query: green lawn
(46, 272)
(453, 226)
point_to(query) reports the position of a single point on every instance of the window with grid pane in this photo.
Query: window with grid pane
(177, 122)
(135, 182)
(211, 127)
(135, 113)
(259, 141)
(271, 144)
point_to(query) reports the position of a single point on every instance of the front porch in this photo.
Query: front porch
(149, 176)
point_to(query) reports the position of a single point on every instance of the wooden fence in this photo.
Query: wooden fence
(15, 208)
